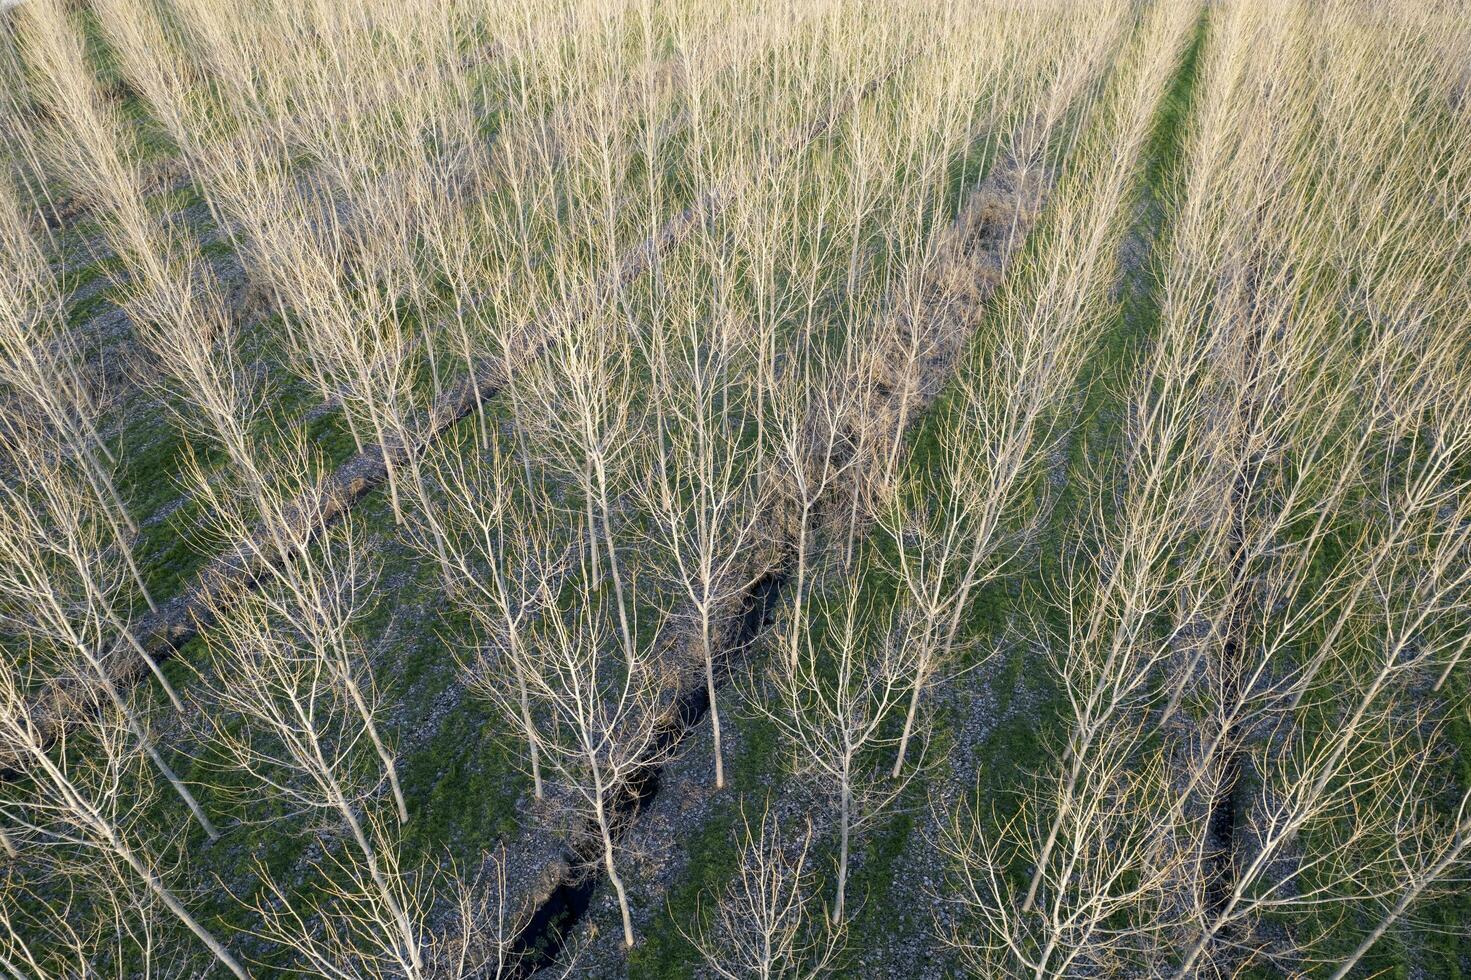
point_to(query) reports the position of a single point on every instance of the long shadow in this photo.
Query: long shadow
(178, 620)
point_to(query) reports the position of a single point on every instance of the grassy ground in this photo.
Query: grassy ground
(462, 775)
(895, 864)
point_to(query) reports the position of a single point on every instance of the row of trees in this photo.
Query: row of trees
(859, 658)
(603, 518)
(1260, 650)
(693, 273)
(709, 481)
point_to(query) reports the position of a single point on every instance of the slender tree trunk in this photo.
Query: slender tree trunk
(710, 691)
(93, 440)
(470, 378)
(613, 569)
(1373, 937)
(797, 594)
(211, 943)
(524, 450)
(1413, 892)
(1451, 665)
(919, 679)
(117, 516)
(1205, 938)
(1052, 832)
(108, 834)
(844, 818)
(524, 694)
(856, 491)
(1040, 972)
(111, 616)
(389, 765)
(153, 666)
(8, 969)
(406, 932)
(89, 443)
(391, 467)
(179, 787)
(136, 727)
(134, 572)
(1016, 212)
(612, 870)
(435, 385)
(352, 426)
(441, 550)
(526, 721)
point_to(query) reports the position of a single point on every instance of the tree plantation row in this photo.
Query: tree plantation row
(698, 488)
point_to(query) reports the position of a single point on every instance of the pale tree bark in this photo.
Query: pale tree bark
(766, 923)
(603, 721)
(58, 805)
(831, 710)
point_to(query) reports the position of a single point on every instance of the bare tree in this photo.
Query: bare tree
(766, 923)
(272, 511)
(1105, 870)
(481, 940)
(82, 804)
(601, 722)
(501, 570)
(175, 304)
(41, 369)
(286, 665)
(58, 590)
(582, 416)
(72, 913)
(832, 710)
(701, 492)
(807, 461)
(469, 927)
(1426, 868)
